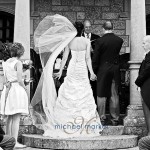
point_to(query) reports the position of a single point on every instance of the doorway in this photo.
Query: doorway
(148, 24)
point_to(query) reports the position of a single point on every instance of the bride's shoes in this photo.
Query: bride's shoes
(18, 145)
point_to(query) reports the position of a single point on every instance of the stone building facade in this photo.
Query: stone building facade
(97, 11)
(128, 17)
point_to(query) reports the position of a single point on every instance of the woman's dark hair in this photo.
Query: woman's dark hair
(16, 50)
(79, 26)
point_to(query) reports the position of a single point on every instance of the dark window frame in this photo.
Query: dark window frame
(4, 16)
(148, 24)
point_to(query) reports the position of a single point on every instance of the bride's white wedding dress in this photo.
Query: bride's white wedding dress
(75, 112)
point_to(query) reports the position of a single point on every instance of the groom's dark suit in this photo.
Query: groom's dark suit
(106, 67)
(106, 62)
(143, 79)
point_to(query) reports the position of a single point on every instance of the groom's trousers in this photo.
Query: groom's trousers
(113, 104)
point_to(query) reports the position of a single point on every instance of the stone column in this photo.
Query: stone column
(22, 28)
(22, 35)
(22, 25)
(134, 121)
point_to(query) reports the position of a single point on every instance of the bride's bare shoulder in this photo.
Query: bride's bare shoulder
(78, 40)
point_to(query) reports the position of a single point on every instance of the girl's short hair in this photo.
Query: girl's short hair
(17, 50)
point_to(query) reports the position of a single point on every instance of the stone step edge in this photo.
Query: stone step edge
(133, 148)
(102, 142)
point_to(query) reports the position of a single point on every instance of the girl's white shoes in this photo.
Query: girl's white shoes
(18, 145)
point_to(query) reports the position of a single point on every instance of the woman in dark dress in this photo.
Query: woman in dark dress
(143, 81)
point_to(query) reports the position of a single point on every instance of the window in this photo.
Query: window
(148, 24)
(6, 27)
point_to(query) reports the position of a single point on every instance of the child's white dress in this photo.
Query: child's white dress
(17, 99)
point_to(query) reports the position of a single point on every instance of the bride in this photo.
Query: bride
(73, 113)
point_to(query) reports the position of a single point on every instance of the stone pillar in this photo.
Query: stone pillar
(134, 122)
(22, 28)
(22, 35)
(22, 25)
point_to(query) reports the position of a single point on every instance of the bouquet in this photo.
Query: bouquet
(27, 64)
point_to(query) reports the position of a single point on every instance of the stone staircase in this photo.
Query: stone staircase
(112, 138)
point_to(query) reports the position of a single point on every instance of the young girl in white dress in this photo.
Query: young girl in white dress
(14, 99)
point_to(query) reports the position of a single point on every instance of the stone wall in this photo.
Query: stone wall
(147, 6)
(97, 11)
(7, 6)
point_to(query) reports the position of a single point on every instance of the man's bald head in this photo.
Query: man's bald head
(108, 25)
(87, 26)
(87, 22)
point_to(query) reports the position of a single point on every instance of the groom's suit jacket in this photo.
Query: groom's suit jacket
(143, 79)
(105, 62)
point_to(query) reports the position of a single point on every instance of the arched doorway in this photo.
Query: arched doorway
(6, 27)
(148, 24)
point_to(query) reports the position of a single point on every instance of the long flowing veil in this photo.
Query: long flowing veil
(51, 36)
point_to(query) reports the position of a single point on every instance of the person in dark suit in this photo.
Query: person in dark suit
(6, 142)
(143, 81)
(106, 67)
(92, 37)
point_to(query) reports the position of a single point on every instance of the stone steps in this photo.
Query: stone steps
(94, 143)
(134, 148)
(31, 129)
(113, 138)
(30, 148)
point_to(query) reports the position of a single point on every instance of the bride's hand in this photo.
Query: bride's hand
(93, 77)
(57, 75)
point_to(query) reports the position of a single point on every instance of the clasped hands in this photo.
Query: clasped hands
(93, 77)
(138, 89)
(57, 75)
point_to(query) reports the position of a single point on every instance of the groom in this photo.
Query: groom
(106, 67)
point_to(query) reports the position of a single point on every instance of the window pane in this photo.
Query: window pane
(7, 33)
(1, 34)
(1, 23)
(8, 23)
